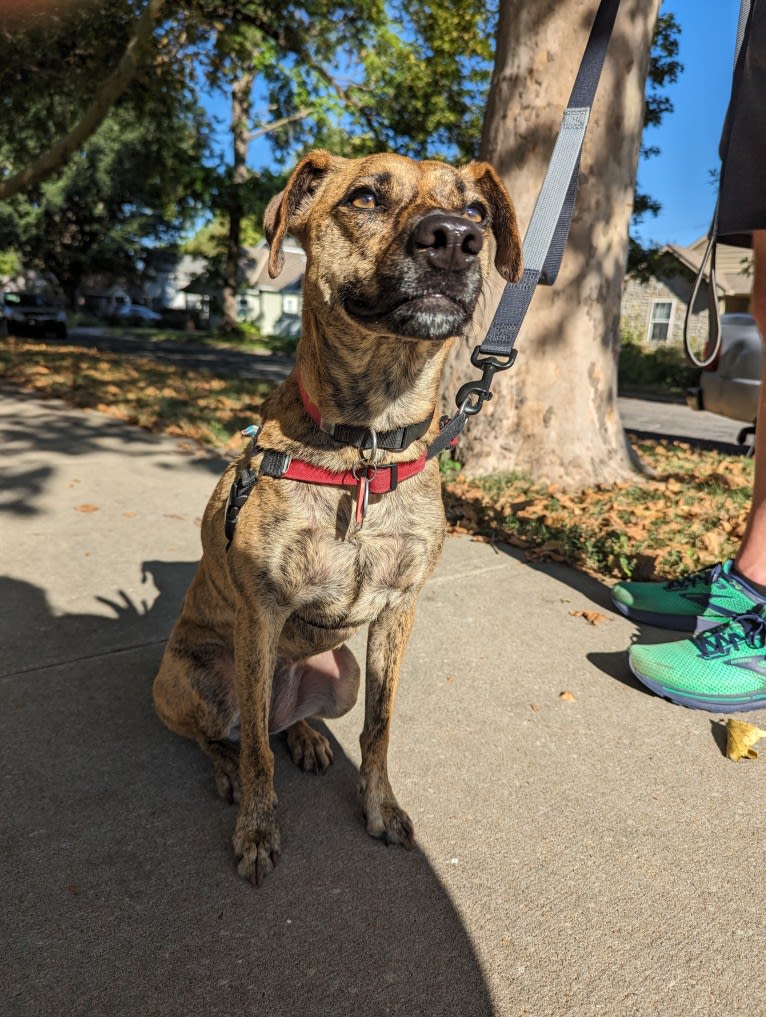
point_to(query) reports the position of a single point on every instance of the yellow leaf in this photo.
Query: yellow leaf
(740, 738)
(86, 508)
(567, 696)
(592, 617)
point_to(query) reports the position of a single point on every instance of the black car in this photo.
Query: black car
(32, 314)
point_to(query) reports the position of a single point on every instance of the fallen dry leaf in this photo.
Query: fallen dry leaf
(740, 738)
(592, 617)
(567, 696)
(86, 508)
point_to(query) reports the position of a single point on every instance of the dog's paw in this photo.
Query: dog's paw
(256, 852)
(384, 817)
(225, 757)
(308, 749)
(391, 824)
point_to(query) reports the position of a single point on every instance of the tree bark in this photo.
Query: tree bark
(107, 94)
(554, 414)
(240, 129)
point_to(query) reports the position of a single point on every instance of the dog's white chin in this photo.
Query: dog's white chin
(431, 317)
(434, 317)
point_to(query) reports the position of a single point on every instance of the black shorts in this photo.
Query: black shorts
(742, 197)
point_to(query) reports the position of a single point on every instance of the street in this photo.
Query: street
(643, 416)
(675, 420)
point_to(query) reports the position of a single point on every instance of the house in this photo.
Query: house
(274, 305)
(162, 285)
(169, 280)
(654, 309)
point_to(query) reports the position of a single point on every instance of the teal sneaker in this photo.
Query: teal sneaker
(691, 603)
(722, 669)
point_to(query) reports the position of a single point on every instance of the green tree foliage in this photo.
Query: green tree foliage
(136, 183)
(354, 77)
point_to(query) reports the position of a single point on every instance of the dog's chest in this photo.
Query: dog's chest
(316, 563)
(350, 581)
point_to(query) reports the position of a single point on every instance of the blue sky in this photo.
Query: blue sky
(679, 177)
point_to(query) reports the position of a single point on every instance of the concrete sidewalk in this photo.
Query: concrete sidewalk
(594, 856)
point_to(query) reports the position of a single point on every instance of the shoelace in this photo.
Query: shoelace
(749, 628)
(708, 573)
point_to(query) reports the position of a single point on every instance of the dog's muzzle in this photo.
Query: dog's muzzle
(428, 289)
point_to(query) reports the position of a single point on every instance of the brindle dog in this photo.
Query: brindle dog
(397, 253)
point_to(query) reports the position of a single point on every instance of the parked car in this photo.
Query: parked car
(134, 314)
(731, 385)
(32, 314)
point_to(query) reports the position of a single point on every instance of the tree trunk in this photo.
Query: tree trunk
(240, 130)
(554, 414)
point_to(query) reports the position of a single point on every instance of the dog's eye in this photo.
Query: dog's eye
(475, 213)
(364, 199)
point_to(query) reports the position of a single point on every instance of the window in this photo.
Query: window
(659, 323)
(290, 305)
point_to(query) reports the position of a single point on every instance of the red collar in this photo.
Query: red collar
(379, 479)
(367, 479)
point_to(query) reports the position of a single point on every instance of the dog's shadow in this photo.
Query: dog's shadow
(120, 886)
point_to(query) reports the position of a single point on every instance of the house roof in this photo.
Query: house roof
(734, 265)
(255, 267)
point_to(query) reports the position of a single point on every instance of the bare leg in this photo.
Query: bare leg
(751, 558)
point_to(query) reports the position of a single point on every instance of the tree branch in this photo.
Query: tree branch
(107, 94)
(276, 124)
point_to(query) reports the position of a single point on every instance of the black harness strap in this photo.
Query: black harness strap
(238, 495)
(395, 440)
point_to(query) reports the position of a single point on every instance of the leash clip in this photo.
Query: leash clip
(479, 388)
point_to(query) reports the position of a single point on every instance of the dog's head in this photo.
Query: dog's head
(399, 247)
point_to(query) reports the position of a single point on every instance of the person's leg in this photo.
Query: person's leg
(751, 557)
(724, 668)
(706, 598)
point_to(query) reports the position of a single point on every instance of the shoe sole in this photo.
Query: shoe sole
(711, 706)
(677, 622)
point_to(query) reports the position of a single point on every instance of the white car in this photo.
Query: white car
(135, 314)
(732, 383)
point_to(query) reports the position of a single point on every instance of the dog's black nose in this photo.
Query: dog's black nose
(447, 242)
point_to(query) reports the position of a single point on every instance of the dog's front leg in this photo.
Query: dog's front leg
(386, 644)
(256, 837)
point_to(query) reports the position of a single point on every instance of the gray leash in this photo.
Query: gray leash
(548, 229)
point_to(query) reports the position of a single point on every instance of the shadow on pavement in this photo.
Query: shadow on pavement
(614, 664)
(40, 433)
(120, 893)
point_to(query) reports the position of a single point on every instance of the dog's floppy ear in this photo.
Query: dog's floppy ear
(508, 256)
(283, 212)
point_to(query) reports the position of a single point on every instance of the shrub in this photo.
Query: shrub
(664, 369)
